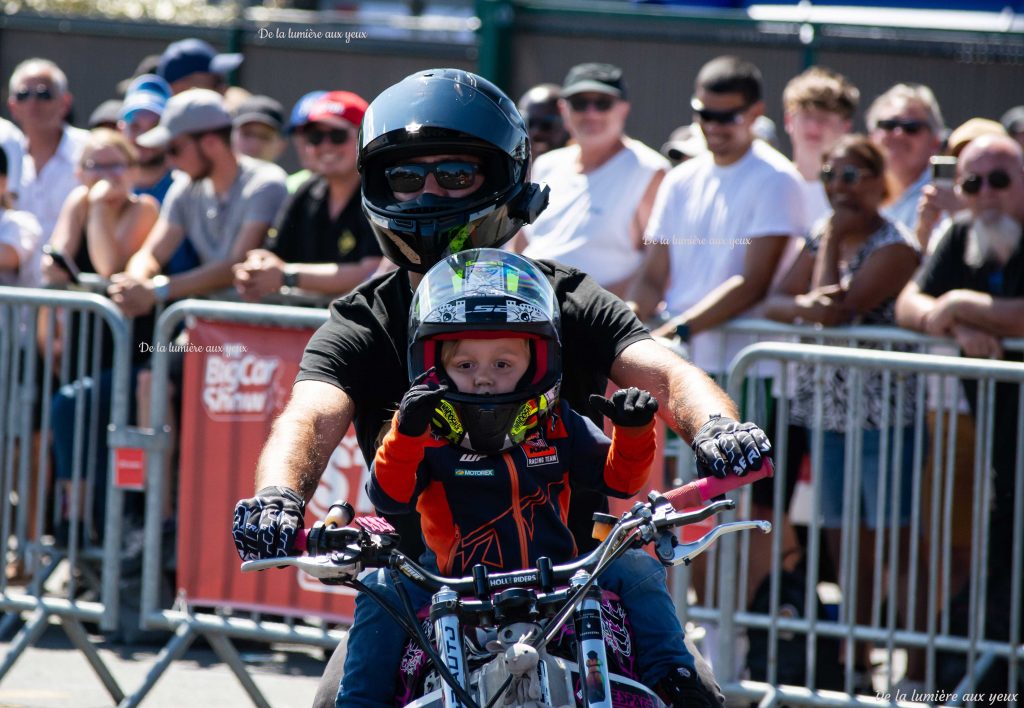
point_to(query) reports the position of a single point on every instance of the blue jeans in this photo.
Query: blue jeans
(375, 642)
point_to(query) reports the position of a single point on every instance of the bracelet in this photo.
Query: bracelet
(161, 288)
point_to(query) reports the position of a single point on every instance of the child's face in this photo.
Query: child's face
(488, 366)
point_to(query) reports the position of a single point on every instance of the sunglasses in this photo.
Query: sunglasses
(730, 117)
(849, 175)
(452, 174)
(997, 179)
(41, 93)
(336, 136)
(602, 104)
(910, 127)
(115, 168)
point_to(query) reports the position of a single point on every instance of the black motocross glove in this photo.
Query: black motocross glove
(418, 404)
(724, 447)
(682, 688)
(628, 407)
(266, 525)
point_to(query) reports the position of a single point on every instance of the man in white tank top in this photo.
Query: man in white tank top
(602, 187)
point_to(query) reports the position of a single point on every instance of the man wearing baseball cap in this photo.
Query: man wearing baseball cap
(224, 207)
(322, 241)
(257, 128)
(602, 186)
(296, 121)
(193, 63)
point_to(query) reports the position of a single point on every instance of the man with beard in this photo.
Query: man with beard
(972, 289)
(225, 206)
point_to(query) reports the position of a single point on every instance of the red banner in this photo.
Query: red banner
(237, 379)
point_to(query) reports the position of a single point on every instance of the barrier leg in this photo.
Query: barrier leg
(229, 655)
(25, 638)
(76, 633)
(172, 651)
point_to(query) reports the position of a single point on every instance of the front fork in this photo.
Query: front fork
(591, 655)
(448, 630)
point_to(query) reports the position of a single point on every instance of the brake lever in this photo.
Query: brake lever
(665, 514)
(328, 567)
(671, 552)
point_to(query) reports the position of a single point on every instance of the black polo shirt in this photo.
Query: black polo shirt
(306, 233)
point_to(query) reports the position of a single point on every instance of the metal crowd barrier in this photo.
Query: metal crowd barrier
(49, 578)
(918, 621)
(185, 621)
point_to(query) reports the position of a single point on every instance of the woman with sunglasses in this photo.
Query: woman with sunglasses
(321, 242)
(851, 268)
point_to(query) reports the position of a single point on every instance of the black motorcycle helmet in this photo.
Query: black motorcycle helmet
(437, 112)
(480, 294)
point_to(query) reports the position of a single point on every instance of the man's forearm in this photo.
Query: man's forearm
(297, 451)
(1000, 317)
(733, 297)
(202, 280)
(687, 394)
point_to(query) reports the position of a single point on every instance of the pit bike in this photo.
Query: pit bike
(498, 639)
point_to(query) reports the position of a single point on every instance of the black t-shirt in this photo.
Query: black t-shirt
(305, 232)
(947, 270)
(363, 350)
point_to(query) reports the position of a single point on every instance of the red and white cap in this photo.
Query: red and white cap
(337, 106)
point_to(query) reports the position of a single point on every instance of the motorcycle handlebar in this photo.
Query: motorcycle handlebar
(693, 494)
(697, 492)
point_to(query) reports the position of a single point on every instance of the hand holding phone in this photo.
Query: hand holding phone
(65, 264)
(943, 170)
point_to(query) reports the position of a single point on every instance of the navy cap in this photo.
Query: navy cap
(300, 112)
(190, 56)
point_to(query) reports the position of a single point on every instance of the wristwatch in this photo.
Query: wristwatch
(161, 288)
(291, 278)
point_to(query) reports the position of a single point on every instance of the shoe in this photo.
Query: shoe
(682, 688)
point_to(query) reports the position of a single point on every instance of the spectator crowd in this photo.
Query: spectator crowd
(174, 192)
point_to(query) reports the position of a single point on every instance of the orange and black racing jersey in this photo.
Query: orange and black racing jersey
(506, 510)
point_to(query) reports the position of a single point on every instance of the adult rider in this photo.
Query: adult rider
(444, 157)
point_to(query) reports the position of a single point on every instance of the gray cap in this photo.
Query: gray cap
(194, 111)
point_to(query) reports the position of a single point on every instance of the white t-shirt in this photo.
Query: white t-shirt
(707, 215)
(21, 231)
(815, 200)
(589, 217)
(43, 194)
(12, 142)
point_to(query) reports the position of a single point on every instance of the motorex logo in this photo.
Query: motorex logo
(239, 385)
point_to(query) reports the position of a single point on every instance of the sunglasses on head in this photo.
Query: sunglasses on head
(601, 104)
(910, 127)
(41, 93)
(997, 179)
(336, 136)
(849, 175)
(705, 115)
(450, 174)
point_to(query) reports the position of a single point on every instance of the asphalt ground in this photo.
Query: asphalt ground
(55, 674)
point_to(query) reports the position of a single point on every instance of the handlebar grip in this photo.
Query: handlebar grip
(300, 540)
(699, 491)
